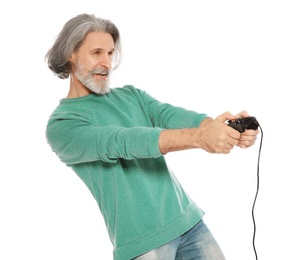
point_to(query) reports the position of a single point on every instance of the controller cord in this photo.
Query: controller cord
(256, 195)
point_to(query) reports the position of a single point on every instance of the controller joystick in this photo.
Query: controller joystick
(241, 124)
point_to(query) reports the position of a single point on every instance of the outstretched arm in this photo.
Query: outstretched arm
(213, 136)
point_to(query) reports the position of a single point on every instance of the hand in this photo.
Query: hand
(213, 136)
(249, 137)
(216, 136)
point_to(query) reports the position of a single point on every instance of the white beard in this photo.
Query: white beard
(88, 80)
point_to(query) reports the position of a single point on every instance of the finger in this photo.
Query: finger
(243, 114)
(225, 116)
(251, 132)
(233, 133)
(247, 137)
(229, 147)
(246, 143)
(232, 141)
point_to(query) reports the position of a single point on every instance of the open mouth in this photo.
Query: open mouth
(103, 75)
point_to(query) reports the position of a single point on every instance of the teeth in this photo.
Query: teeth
(103, 73)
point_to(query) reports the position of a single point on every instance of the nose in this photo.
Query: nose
(106, 60)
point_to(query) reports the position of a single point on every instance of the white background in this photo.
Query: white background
(208, 56)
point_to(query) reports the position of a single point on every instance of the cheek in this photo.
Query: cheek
(89, 63)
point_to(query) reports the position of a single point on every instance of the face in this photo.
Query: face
(92, 62)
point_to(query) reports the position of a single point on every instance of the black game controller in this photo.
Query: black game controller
(241, 124)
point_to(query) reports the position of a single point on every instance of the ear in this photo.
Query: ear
(72, 58)
(72, 61)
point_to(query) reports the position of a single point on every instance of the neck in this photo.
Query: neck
(76, 88)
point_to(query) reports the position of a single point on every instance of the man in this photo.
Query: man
(115, 139)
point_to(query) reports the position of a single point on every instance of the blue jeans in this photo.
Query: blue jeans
(196, 244)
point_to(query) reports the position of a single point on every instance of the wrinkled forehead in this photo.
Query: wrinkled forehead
(99, 40)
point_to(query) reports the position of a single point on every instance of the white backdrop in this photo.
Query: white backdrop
(209, 56)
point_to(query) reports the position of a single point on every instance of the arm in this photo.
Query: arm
(80, 135)
(213, 136)
(76, 142)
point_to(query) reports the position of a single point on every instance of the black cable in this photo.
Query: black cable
(257, 191)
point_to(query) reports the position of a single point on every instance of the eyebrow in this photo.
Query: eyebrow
(102, 50)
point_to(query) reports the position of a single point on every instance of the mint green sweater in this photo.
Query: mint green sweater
(111, 142)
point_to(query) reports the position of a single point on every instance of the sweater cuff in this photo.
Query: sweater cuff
(197, 121)
(153, 142)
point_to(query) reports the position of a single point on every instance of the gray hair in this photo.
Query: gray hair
(71, 38)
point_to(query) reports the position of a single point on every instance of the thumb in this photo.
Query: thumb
(225, 116)
(243, 114)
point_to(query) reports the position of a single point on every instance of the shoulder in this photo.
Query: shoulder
(127, 91)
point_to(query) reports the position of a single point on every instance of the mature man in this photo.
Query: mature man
(115, 140)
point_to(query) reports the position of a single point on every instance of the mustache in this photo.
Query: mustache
(102, 71)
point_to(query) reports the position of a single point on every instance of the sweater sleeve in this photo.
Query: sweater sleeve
(76, 141)
(167, 116)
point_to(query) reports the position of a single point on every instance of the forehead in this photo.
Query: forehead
(98, 40)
